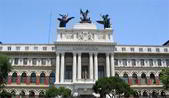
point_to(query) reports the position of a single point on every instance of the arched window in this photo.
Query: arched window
(154, 94)
(125, 77)
(152, 77)
(145, 94)
(143, 78)
(163, 95)
(23, 77)
(14, 77)
(22, 94)
(116, 75)
(31, 94)
(41, 94)
(33, 78)
(42, 78)
(13, 93)
(134, 78)
(52, 78)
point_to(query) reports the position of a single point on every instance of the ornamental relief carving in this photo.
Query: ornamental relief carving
(84, 36)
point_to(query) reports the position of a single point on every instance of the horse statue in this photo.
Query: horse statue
(105, 21)
(84, 18)
(64, 20)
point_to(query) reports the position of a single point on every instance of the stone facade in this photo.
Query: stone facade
(78, 58)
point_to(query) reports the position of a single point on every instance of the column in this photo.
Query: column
(79, 66)
(57, 68)
(91, 66)
(96, 66)
(74, 67)
(62, 67)
(107, 65)
(112, 65)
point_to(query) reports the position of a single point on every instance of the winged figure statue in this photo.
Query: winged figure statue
(105, 21)
(84, 18)
(64, 20)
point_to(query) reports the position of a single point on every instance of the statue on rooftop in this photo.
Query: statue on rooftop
(84, 18)
(105, 21)
(64, 20)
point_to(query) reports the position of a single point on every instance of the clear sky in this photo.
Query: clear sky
(138, 22)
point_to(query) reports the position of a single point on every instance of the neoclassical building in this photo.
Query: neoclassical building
(78, 58)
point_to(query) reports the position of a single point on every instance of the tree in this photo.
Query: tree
(164, 78)
(62, 91)
(111, 86)
(5, 68)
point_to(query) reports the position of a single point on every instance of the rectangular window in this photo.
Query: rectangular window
(165, 50)
(17, 48)
(125, 62)
(26, 48)
(142, 62)
(115, 49)
(16, 61)
(150, 62)
(0, 48)
(9, 48)
(149, 49)
(101, 73)
(35, 48)
(115, 62)
(159, 62)
(68, 72)
(140, 49)
(132, 49)
(53, 48)
(133, 62)
(43, 61)
(53, 61)
(25, 61)
(167, 62)
(123, 49)
(44, 48)
(157, 50)
(34, 61)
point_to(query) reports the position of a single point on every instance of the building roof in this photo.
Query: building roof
(166, 43)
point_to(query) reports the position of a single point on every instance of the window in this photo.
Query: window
(165, 50)
(140, 49)
(132, 49)
(23, 78)
(115, 49)
(25, 61)
(16, 61)
(1, 48)
(52, 78)
(142, 62)
(35, 48)
(68, 72)
(159, 62)
(14, 77)
(42, 78)
(44, 48)
(157, 50)
(124, 62)
(9, 48)
(123, 49)
(133, 61)
(53, 48)
(101, 72)
(116, 62)
(26, 48)
(17, 48)
(150, 62)
(149, 49)
(167, 62)
(43, 61)
(34, 61)
(53, 61)
(33, 78)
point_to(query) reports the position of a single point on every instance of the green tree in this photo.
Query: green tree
(62, 91)
(112, 86)
(5, 68)
(164, 78)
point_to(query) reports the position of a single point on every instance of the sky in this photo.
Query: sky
(135, 22)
